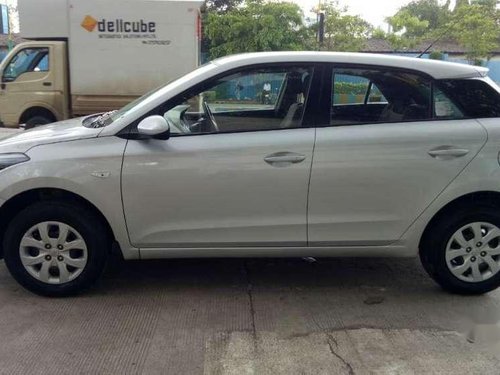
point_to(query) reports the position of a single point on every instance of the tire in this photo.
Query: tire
(37, 121)
(56, 277)
(439, 241)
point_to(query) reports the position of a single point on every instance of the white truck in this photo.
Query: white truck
(94, 56)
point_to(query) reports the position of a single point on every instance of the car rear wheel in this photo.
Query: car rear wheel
(461, 251)
(56, 248)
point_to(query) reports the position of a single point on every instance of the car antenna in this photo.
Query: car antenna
(436, 40)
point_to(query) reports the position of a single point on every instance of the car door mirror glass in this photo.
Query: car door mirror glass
(154, 127)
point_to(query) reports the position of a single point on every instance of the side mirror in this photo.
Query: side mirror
(154, 127)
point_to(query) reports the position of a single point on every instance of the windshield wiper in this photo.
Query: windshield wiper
(100, 121)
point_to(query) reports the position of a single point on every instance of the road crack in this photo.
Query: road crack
(246, 272)
(331, 342)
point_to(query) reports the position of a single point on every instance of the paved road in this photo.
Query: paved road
(288, 316)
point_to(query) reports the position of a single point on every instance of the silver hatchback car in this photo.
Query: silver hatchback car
(269, 154)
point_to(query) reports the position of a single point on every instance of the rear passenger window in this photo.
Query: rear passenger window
(349, 89)
(474, 98)
(365, 96)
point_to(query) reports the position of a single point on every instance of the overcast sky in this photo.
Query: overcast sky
(373, 11)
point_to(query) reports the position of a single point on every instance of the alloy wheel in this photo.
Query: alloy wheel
(473, 252)
(53, 252)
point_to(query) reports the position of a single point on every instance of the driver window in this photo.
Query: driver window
(252, 100)
(27, 60)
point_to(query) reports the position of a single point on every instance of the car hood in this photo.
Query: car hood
(63, 131)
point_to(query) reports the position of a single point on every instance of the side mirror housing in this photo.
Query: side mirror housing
(154, 127)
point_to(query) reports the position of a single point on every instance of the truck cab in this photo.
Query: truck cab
(34, 84)
(87, 57)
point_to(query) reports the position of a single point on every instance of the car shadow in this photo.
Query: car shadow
(359, 292)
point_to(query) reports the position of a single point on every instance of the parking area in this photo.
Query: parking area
(254, 316)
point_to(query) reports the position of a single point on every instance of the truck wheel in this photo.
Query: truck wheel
(461, 252)
(37, 121)
(56, 248)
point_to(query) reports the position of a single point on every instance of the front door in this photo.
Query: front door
(235, 170)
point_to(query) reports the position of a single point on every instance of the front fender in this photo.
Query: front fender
(89, 168)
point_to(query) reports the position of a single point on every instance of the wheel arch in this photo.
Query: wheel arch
(487, 197)
(24, 199)
(37, 110)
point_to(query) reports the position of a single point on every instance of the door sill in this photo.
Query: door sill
(278, 252)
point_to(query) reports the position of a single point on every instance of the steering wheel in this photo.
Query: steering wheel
(210, 117)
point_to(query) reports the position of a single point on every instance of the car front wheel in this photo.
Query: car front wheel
(56, 248)
(461, 251)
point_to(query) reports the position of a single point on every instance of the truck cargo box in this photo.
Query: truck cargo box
(118, 48)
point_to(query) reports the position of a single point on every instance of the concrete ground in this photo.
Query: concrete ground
(255, 316)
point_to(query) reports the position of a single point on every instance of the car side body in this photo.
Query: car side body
(314, 189)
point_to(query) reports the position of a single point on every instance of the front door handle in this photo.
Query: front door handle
(284, 159)
(448, 152)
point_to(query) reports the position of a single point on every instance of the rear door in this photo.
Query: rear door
(374, 172)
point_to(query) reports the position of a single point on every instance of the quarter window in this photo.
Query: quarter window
(475, 98)
(377, 95)
(252, 100)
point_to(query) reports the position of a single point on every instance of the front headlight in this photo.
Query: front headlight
(8, 160)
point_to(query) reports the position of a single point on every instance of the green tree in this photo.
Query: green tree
(222, 6)
(256, 25)
(476, 27)
(432, 11)
(417, 21)
(460, 3)
(343, 32)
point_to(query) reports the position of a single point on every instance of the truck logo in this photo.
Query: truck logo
(119, 25)
(89, 23)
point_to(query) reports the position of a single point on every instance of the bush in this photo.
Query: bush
(350, 88)
(436, 55)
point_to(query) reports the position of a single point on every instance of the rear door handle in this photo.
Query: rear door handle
(283, 159)
(47, 83)
(448, 152)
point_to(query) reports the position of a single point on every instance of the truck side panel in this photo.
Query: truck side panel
(129, 47)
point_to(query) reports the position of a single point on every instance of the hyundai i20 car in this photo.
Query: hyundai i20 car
(266, 155)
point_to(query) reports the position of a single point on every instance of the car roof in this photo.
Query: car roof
(434, 68)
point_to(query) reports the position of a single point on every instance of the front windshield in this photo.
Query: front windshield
(121, 112)
(152, 95)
